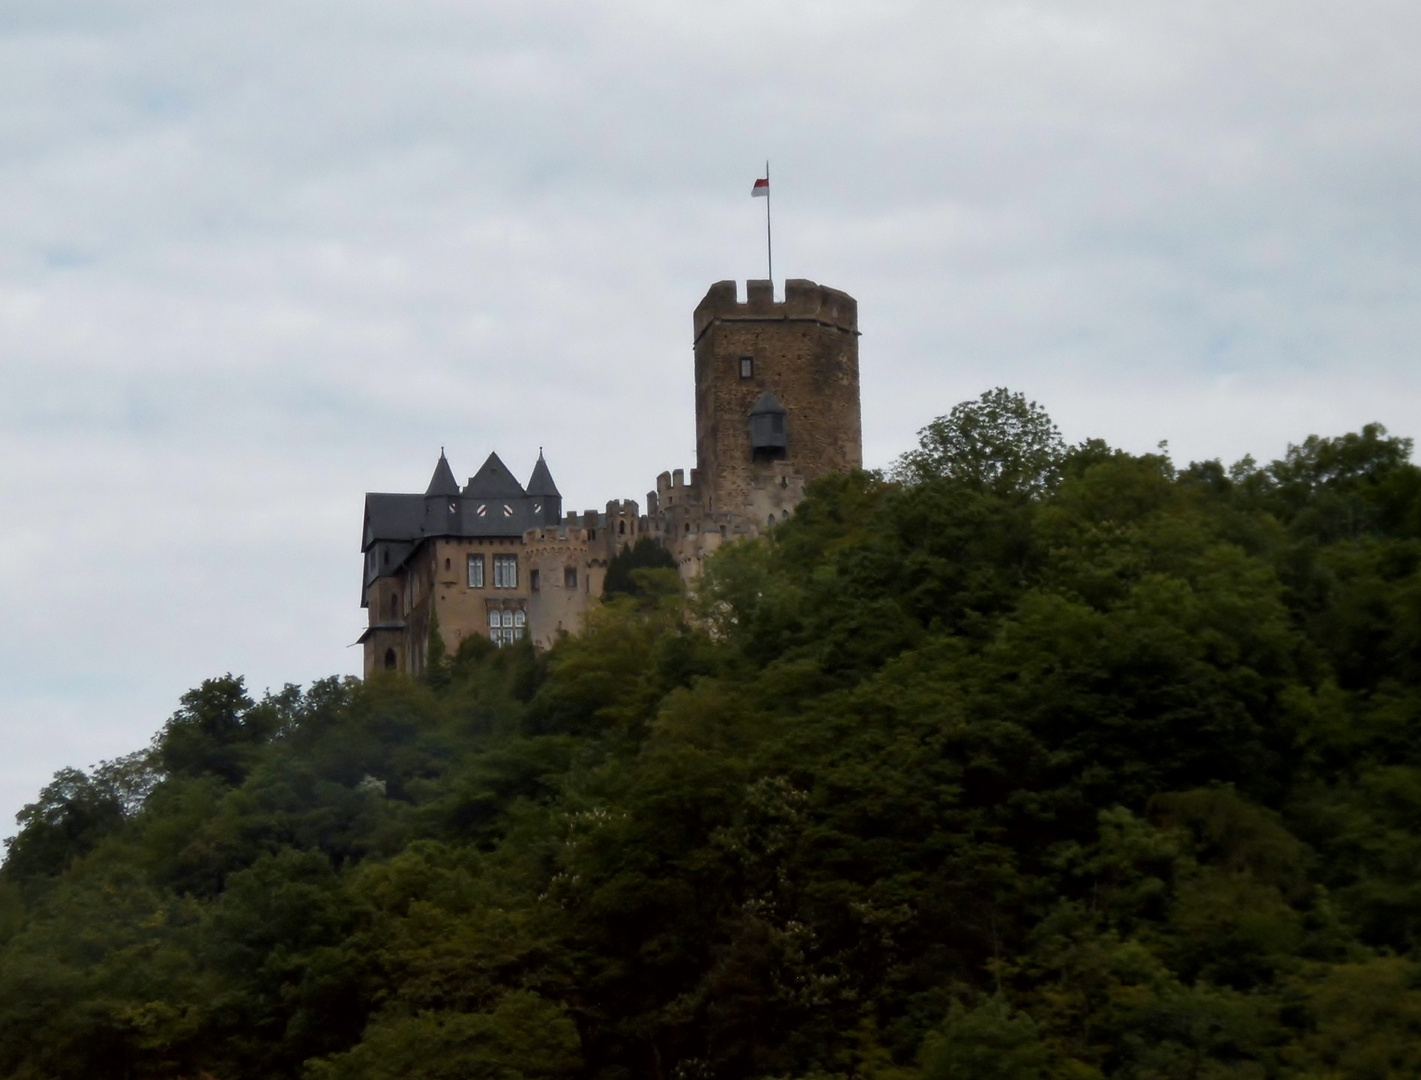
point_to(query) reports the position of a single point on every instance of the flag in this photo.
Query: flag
(761, 190)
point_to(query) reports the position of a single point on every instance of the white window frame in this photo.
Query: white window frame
(476, 571)
(502, 565)
(506, 625)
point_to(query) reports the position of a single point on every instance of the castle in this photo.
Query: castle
(777, 405)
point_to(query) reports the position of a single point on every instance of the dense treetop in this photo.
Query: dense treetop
(1032, 761)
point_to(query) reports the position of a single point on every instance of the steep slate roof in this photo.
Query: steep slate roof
(392, 517)
(493, 504)
(442, 482)
(493, 481)
(541, 482)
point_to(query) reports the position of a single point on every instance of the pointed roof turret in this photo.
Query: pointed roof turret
(442, 482)
(541, 482)
(494, 481)
(768, 403)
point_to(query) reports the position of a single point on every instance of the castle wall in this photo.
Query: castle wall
(557, 607)
(380, 643)
(464, 609)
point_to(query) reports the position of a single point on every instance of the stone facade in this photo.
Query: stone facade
(777, 405)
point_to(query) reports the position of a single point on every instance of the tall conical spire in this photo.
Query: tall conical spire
(442, 482)
(541, 482)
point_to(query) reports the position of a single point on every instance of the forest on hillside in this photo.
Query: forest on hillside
(1024, 761)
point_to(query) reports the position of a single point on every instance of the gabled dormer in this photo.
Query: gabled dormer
(493, 481)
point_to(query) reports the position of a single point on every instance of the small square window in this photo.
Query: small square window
(476, 571)
(747, 367)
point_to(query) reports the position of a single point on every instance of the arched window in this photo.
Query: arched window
(391, 660)
(771, 521)
(784, 515)
(505, 625)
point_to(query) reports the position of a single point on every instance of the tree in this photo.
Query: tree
(73, 812)
(436, 665)
(1001, 442)
(215, 731)
(989, 1042)
(645, 554)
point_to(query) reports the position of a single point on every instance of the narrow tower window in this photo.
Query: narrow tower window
(747, 367)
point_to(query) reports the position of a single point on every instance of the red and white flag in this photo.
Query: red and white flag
(761, 190)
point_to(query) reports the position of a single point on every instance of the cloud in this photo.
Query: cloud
(258, 259)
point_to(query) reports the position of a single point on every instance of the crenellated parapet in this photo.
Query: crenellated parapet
(805, 301)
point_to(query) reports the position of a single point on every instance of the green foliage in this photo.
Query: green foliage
(435, 653)
(989, 1042)
(1040, 763)
(217, 731)
(1000, 443)
(627, 572)
(74, 812)
(523, 1038)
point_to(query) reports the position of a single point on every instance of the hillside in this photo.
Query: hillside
(1026, 762)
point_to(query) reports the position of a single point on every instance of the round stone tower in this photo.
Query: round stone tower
(804, 354)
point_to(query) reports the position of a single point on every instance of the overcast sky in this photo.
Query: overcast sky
(259, 257)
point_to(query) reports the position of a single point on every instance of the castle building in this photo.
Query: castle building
(777, 405)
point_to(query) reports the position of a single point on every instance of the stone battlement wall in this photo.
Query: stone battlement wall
(804, 300)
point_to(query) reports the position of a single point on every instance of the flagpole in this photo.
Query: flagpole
(769, 245)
